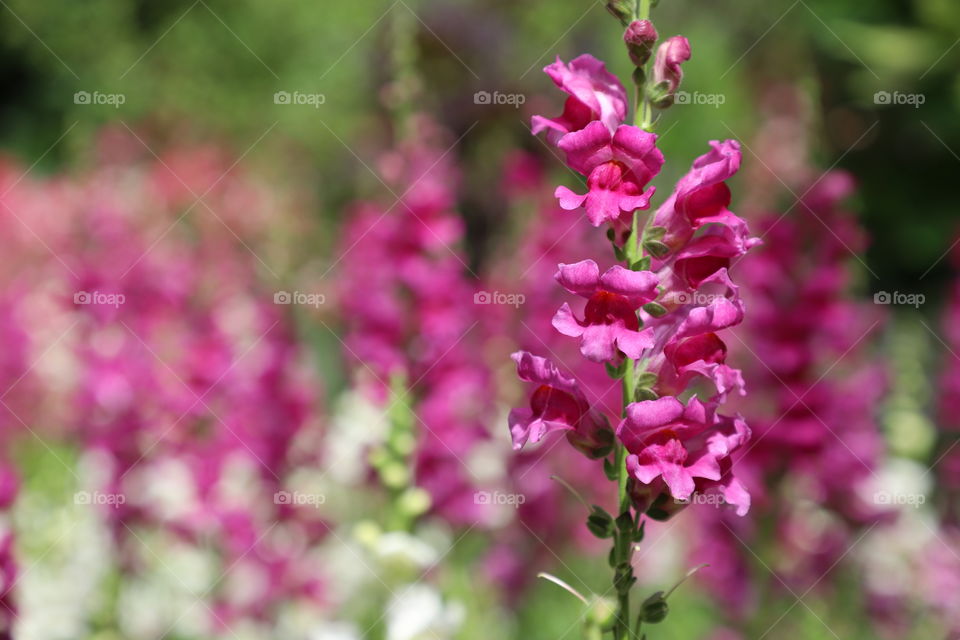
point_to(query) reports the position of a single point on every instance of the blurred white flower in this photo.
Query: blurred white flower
(418, 612)
(356, 425)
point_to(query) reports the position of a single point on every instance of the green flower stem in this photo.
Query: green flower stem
(643, 110)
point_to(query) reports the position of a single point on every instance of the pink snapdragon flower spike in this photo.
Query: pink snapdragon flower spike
(595, 95)
(653, 319)
(618, 165)
(557, 404)
(610, 325)
(687, 447)
(666, 66)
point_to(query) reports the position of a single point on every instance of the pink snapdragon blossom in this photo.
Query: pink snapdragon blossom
(595, 95)
(557, 404)
(610, 325)
(618, 164)
(702, 196)
(683, 445)
(666, 66)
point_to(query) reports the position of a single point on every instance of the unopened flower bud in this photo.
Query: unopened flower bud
(667, 73)
(640, 37)
(594, 440)
(621, 10)
(655, 608)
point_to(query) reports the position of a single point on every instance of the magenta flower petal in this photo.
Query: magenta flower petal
(634, 343)
(566, 323)
(638, 150)
(568, 200)
(598, 342)
(581, 278)
(638, 286)
(652, 413)
(588, 148)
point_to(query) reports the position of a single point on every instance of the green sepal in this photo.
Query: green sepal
(616, 372)
(654, 233)
(600, 523)
(655, 608)
(610, 469)
(656, 248)
(641, 394)
(647, 379)
(655, 309)
(638, 534)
